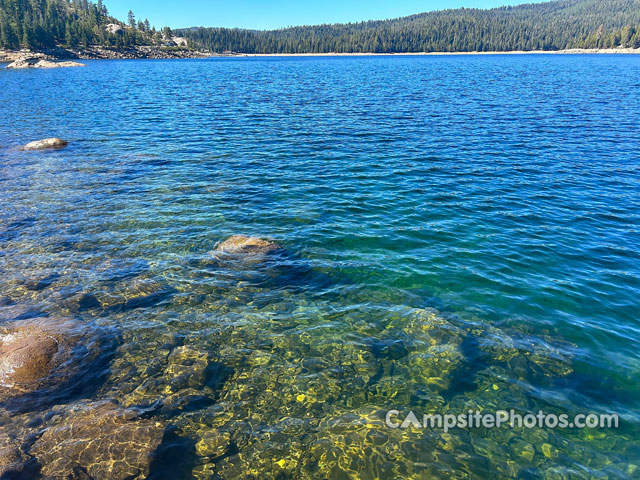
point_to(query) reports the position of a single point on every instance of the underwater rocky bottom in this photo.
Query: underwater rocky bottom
(246, 363)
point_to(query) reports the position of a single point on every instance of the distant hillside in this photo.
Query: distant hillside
(553, 25)
(42, 24)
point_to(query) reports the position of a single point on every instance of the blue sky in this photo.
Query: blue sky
(266, 14)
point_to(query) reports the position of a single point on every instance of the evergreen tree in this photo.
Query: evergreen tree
(47, 23)
(68, 38)
(4, 30)
(26, 37)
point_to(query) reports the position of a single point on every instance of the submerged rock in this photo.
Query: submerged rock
(12, 460)
(183, 378)
(186, 368)
(102, 440)
(129, 294)
(496, 343)
(42, 354)
(213, 443)
(437, 356)
(46, 144)
(387, 348)
(39, 63)
(41, 283)
(241, 244)
(119, 269)
(358, 444)
(145, 292)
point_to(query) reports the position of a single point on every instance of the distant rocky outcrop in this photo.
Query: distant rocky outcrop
(114, 28)
(40, 63)
(45, 144)
(241, 244)
(180, 41)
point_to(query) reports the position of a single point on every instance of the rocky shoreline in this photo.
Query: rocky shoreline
(154, 52)
(137, 52)
(98, 52)
(39, 63)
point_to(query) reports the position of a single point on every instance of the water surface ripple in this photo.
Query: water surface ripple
(457, 232)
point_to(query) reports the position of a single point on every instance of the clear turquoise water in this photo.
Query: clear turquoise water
(501, 191)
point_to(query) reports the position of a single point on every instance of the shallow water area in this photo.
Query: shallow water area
(453, 233)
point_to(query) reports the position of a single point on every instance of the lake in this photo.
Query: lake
(451, 234)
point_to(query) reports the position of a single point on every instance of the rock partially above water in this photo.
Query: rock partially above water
(41, 353)
(26, 357)
(241, 244)
(46, 144)
(39, 63)
(29, 352)
(102, 440)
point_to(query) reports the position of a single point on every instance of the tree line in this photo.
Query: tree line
(552, 25)
(42, 24)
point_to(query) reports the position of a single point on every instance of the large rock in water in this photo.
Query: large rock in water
(241, 244)
(25, 357)
(46, 144)
(41, 354)
(38, 63)
(101, 440)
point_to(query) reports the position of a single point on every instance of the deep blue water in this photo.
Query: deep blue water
(501, 191)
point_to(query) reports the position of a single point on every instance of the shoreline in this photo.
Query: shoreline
(154, 53)
(584, 51)
(96, 52)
